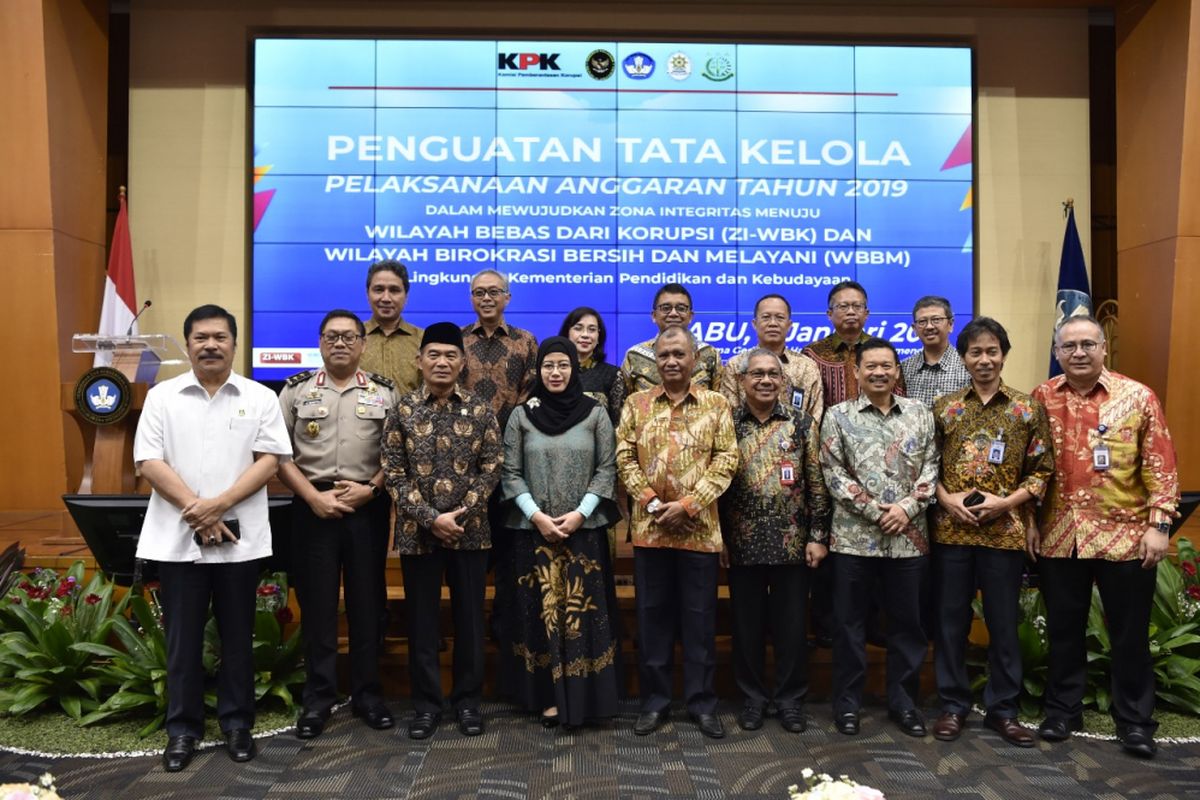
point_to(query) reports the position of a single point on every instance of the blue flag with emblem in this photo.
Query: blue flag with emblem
(1074, 297)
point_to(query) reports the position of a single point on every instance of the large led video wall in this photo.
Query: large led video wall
(591, 173)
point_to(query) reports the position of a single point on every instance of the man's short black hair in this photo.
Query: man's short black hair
(933, 300)
(839, 287)
(874, 343)
(978, 327)
(208, 311)
(395, 267)
(601, 337)
(671, 288)
(341, 313)
(766, 297)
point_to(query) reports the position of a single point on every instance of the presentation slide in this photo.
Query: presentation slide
(592, 173)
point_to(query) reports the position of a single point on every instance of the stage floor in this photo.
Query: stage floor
(516, 758)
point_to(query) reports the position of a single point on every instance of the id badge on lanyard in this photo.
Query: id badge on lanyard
(1101, 456)
(996, 449)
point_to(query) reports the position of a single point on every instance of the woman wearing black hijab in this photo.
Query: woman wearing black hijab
(559, 474)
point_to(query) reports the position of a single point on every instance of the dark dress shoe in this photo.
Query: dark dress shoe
(949, 726)
(550, 721)
(792, 719)
(710, 725)
(650, 721)
(909, 722)
(240, 744)
(179, 752)
(1010, 730)
(1058, 729)
(423, 724)
(847, 723)
(1137, 741)
(751, 717)
(376, 716)
(311, 723)
(470, 721)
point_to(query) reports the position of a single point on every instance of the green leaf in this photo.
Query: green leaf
(284, 694)
(97, 649)
(28, 698)
(70, 704)
(152, 726)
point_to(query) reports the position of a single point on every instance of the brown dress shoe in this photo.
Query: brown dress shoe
(949, 726)
(1010, 730)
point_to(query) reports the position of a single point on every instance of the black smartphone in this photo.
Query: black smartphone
(973, 499)
(232, 524)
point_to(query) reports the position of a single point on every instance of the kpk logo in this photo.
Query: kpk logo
(600, 64)
(524, 61)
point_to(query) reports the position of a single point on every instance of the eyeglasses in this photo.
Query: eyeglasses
(678, 308)
(493, 292)
(930, 322)
(759, 374)
(1071, 347)
(333, 337)
(556, 366)
(842, 308)
(579, 327)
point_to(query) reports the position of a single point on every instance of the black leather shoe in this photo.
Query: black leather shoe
(423, 724)
(311, 723)
(710, 725)
(650, 721)
(1137, 741)
(240, 744)
(909, 721)
(470, 721)
(751, 717)
(847, 723)
(792, 719)
(1058, 729)
(179, 752)
(376, 716)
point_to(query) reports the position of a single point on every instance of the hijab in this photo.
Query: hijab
(552, 413)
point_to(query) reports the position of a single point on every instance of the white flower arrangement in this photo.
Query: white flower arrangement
(824, 787)
(44, 790)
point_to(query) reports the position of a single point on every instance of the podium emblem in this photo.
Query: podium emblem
(103, 396)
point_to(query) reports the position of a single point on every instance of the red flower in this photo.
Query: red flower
(1189, 567)
(67, 611)
(152, 586)
(283, 616)
(268, 589)
(92, 599)
(1194, 592)
(63, 589)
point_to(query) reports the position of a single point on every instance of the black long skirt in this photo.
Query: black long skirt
(564, 650)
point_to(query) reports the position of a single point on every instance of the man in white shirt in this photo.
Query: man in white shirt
(208, 441)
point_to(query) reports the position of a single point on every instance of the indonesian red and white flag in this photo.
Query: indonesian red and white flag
(120, 297)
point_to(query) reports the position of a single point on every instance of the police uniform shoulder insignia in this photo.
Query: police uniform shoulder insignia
(301, 377)
(386, 383)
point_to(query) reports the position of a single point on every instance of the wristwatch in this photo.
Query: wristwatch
(653, 505)
(1164, 527)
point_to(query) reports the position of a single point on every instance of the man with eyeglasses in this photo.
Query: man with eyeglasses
(775, 526)
(937, 369)
(391, 342)
(672, 307)
(801, 388)
(335, 416)
(1106, 519)
(499, 369)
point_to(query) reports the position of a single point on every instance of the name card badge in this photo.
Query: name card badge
(787, 473)
(1101, 456)
(797, 398)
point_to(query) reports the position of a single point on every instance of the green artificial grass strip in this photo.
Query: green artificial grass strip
(49, 732)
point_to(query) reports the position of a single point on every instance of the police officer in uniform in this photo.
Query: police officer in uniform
(340, 518)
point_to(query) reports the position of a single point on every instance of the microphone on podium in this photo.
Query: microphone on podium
(133, 321)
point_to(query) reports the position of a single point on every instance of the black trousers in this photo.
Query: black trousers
(676, 591)
(1127, 592)
(774, 596)
(466, 573)
(853, 580)
(349, 552)
(186, 591)
(959, 571)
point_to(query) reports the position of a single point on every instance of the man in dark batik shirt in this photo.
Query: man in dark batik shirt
(775, 523)
(441, 459)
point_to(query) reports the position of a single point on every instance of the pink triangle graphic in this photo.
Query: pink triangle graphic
(261, 201)
(961, 154)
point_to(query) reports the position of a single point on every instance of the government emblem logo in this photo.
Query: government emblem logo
(718, 68)
(638, 66)
(103, 396)
(600, 64)
(679, 66)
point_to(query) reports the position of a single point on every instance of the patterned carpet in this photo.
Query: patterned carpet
(516, 758)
